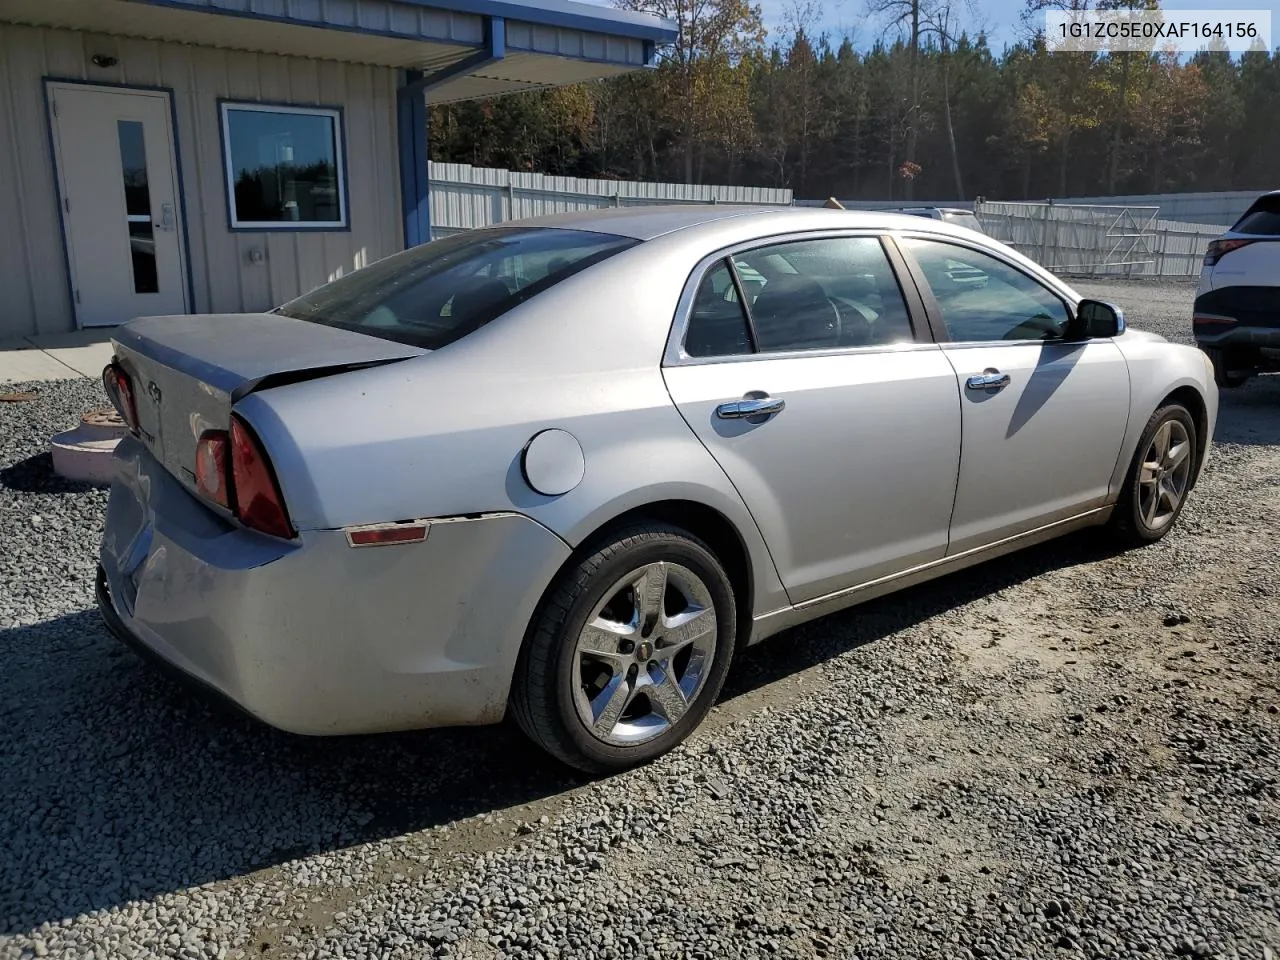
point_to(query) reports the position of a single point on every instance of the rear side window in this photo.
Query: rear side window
(437, 293)
(1263, 218)
(718, 325)
(823, 294)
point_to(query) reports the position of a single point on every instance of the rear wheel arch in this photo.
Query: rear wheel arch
(704, 522)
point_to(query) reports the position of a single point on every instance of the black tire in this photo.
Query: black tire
(1129, 522)
(1224, 377)
(547, 676)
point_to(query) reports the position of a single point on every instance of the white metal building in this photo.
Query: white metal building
(173, 156)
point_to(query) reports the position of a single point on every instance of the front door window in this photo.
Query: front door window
(983, 299)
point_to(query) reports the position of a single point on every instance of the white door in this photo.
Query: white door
(115, 157)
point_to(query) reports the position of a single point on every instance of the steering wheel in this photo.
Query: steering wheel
(837, 328)
(1039, 327)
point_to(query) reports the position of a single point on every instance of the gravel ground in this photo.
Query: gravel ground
(1064, 752)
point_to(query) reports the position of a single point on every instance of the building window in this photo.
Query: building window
(284, 167)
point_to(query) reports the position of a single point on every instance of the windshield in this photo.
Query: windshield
(962, 218)
(431, 295)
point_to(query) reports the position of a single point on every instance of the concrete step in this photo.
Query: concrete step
(85, 453)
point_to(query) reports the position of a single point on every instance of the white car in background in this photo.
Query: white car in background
(1237, 309)
(956, 216)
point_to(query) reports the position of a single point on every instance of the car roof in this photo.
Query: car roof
(650, 222)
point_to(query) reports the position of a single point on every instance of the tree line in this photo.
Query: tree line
(931, 114)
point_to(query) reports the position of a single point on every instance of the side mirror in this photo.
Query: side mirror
(1096, 320)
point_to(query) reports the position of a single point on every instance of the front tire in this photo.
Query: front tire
(629, 650)
(1160, 477)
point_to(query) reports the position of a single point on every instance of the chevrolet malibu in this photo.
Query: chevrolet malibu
(567, 468)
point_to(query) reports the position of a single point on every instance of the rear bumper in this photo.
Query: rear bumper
(1243, 316)
(313, 636)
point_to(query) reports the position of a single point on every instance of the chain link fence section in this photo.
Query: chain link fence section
(1097, 240)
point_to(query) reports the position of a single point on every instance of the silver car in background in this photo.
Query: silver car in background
(568, 467)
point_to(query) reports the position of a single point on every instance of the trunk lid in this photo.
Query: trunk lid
(189, 371)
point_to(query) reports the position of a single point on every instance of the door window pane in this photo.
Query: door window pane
(823, 294)
(284, 166)
(137, 202)
(718, 325)
(983, 299)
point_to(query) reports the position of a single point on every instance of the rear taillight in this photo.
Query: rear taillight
(233, 472)
(213, 458)
(1220, 248)
(1210, 323)
(258, 502)
(120, 391)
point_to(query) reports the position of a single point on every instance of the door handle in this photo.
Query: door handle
(750, 407)
(990, 380)
(166, 217)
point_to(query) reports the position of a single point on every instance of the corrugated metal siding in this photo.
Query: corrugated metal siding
(1212, 208)
(464, 197)
(463, 33)
(1222, 208)
(574, 43)
(32, 273)
(380, 16)
(1100, 240)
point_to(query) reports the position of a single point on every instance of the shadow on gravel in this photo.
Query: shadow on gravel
(819, 640)
(35, 475)
(117, 784)
(1250, 414)
(120, 784)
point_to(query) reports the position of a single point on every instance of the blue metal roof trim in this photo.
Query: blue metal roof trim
(568, 14)
(563, 14)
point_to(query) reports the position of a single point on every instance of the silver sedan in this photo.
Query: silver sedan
(569, 467)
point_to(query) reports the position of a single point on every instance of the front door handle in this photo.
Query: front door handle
(990, 380)
(750, 407)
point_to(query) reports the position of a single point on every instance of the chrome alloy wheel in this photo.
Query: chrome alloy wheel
(645, 653)
(1164, 474)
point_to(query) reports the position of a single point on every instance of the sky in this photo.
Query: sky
(1000, 18)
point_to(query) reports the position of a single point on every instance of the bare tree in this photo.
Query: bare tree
(940, 20)
(903, 14)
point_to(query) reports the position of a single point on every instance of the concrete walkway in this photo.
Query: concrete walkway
(63, 356)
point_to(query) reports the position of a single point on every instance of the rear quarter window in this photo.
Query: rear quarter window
(437, 293)
(1263, 218)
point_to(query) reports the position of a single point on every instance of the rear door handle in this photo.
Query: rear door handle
(990, 380)
(750, 407)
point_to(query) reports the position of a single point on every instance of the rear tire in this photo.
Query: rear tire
(1225, 375)
(628, 652)
(1159, 478)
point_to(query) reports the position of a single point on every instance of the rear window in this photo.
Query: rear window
(963, 219)
(1262, 218)
(441, 291)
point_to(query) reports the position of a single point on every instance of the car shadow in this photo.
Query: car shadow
(1053, 365)
(138, 785)
(1250, 414)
